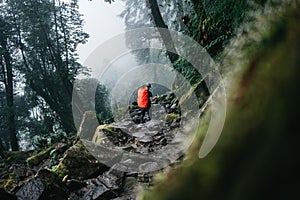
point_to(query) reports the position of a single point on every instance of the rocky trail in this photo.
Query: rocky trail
(109, 161)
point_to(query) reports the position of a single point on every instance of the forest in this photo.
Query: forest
(223, 123)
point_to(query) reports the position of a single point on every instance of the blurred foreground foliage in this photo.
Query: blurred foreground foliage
(256, 156)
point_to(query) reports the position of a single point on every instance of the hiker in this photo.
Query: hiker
(144, 101)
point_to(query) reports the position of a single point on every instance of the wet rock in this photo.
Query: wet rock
(53, 185)
(115, 174)
(158, 137)
(109, 121)
(104, 154)
(19, 170)
(145, 139)
(60, 148)
(31, 189)
(126, 135)
(149, 167)
(47, 176)
(163, 141)
(174, 106)
(154, 125)
(108, 128)
(171, 117)
(98, 136)
(135, 113)
(79, 164)
(88, 125)
(142, 150)
(169, 102)
(94, 190)
(113, 133)
(126, 197)
(102, 187)
(38, 158)
(139, 134)
(175, 123)
(18, 157)
(74, 184)
(124, 124)
(10, 183)
(129, 183)
(129, 189)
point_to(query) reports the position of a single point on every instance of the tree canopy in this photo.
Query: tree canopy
(39, 42)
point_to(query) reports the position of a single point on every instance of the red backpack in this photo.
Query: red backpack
(143, 98)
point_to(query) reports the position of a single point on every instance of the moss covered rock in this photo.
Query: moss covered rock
(171, 117)
(17, 157)
(9, 184)
(107, 127)
(98, 136)
(54, 187)
(38, 158)
(78, 163)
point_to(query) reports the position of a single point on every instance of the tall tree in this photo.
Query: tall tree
(166, 15)
(210, 22)
(48, 33)
(161, 13)
(164, 31)
(7, 79)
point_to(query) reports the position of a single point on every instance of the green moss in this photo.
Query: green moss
(77, 163)
(14, 157)
(9, 184)
(60, 170)
(38, 158)
(171, 117)
(98, 136)
(107, 127)
(170, 97)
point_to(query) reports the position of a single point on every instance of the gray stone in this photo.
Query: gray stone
(145, 139)
(102, 187)
(88, 125)
(31, 189)
(78, 163)
(149, 167)
(94, 190)
(20, 170)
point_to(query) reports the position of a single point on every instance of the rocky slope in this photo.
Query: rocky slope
(76, 170)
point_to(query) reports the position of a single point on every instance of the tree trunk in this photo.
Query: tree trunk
(10, 105)
(8, 81)
(164, 31)
(2, 154)
(168, 42)
(65, 113)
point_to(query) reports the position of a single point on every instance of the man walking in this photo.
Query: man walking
(144, 101)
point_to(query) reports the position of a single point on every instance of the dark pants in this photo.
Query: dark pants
(144, 111)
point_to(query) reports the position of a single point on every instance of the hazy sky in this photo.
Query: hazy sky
(101, 23)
